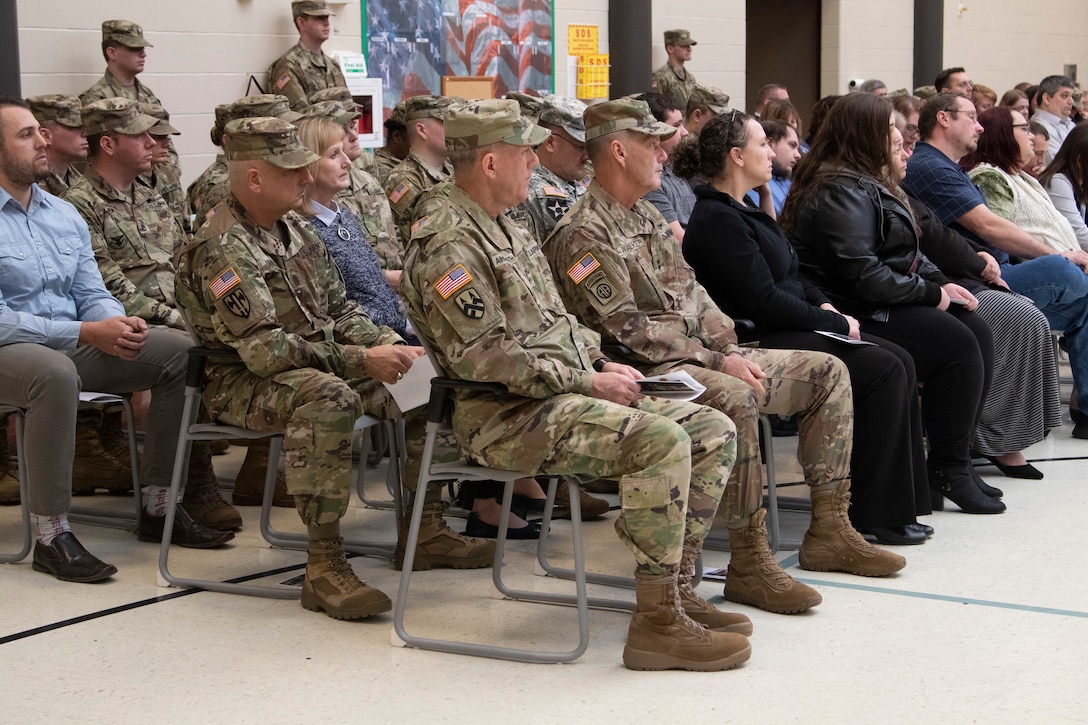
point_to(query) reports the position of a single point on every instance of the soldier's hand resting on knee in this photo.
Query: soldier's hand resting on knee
(616, 383)
(389, 363)
(744, 369)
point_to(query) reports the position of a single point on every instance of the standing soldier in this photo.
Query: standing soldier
(672, 79)
(484, 298)
(62, 129)
(124, 48)
(304, 69)
(620, 270)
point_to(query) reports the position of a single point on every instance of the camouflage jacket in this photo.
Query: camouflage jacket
(109, 87)
(134, 239)
(277, 298)
(482, 294)
(164, 180)
(621, 271)
(405, 183)
(549, 199)
(385, 162)
(298, 74)
(368, 202)
(209, 190)
(56, 185)
(676, 84)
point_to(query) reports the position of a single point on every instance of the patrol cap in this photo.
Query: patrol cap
(713, 98)
(426, 107)
(58, 107)
(567, 114)
(398, 114)
(125, 32)
(624, 114)
(116, 114)
(313, 8)
(221, 119)
(335, 111)
(336, 93)
(267, 139)
(678, 37)
(163, 127)
(265, 104)
(489, 121)
(530, 105)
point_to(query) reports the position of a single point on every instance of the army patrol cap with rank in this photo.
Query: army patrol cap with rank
(678, 37)
(120, 115)
(335, 111)
(713, 98)
(531, 106)
(125, 32)
(163, 127)
(336, 93)
(426, 107)
(266, 139)
(313, 8)
(624, 114)
(489, 121)
(65, 110)
(565, 113)
(263, 105)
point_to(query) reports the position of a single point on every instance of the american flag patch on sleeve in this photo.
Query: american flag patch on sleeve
(282, 81)
(452, 281)
(398, 193)
(583, 268)
(224, 282)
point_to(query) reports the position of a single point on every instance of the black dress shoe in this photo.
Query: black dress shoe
(67, 560)
(1027, 470)
(481, 529)
(959, 485)
(894, 535)
(991, 491)
(188, 532)
(927, 530)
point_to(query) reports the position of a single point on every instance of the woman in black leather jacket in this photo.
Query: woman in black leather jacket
(745, 262)
(856, 239)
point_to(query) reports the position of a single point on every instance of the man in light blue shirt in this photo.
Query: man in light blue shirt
(60, 330)
(1055, 111)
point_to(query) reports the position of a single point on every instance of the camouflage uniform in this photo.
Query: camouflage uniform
(208, 190)
(670, 81)
(621, 271)
(298, 74)
(57, 185)
(165, 178)
(367, 200)
(134, 235)
(549, 199)
(130, 35)
(64, 110)
(405, 183)
(384, 162)
(482, 293)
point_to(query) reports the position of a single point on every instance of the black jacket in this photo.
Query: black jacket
(743, 259)
(857, 242)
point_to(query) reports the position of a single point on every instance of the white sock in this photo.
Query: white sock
(155, 499)
(50, 527)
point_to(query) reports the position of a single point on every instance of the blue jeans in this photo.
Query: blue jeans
(1060, 290)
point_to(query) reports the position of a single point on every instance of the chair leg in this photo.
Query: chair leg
(24, 499)
(120, 519)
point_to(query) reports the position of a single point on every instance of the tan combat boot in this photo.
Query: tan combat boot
(755, 578)
(591, 506)
(9, 484)
(249, 483)
(92, 466)
(439, 545)
(662, 637)
(202, 498)
(700, 609)
(832, 544)
(331, 585)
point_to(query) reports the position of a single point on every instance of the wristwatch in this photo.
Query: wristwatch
(599, 363)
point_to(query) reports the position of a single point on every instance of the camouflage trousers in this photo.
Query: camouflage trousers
(672, 460)
(814, 386)
(316, 412)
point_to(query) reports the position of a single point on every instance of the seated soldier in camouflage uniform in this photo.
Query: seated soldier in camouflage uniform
(258, 280)
(482, 294)
(396, 145)
(134, 235)
(555, 185)
(426, 163)
(619, 268)
(705, 103)
(165, 176)
(62, 129)
(304, 70)
(364, 196)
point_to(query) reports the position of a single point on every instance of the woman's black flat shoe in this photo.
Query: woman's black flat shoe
(894, 535)
(927, 530)
(1026, 471)
(481, 529)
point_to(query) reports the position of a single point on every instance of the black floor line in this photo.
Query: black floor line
(136, 605)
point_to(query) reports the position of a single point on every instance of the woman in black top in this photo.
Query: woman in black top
(743, 259)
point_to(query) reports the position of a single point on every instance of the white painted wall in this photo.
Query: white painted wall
(866, 39)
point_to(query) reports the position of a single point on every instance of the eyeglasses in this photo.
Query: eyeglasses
(970, 114)
(580, 147)
(912, 129)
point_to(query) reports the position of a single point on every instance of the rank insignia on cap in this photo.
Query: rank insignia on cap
(398, 193)
(471, 304)
(227, 280)
(282, 81)
(583, 268)
(452, 281)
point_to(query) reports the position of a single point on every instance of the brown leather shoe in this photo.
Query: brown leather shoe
(67, 560)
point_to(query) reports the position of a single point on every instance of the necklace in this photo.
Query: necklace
(343, 233)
